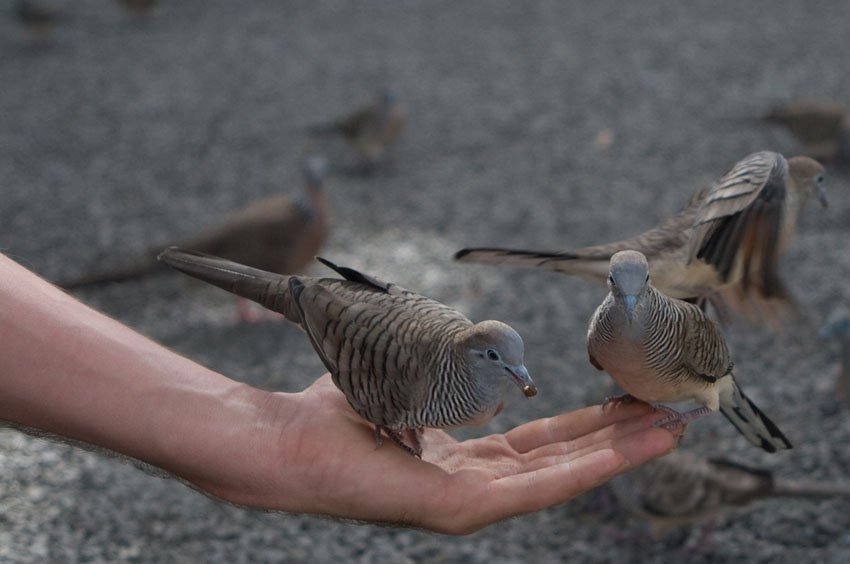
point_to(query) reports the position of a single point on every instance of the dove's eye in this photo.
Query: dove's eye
(819, 178)
(493, 355)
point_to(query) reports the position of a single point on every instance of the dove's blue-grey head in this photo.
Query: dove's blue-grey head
(493, 352)
(628, 280)
(315, 167)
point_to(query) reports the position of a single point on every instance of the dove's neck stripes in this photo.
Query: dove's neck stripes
(655, 332)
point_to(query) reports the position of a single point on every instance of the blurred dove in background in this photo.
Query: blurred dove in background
(281, 234)
(822, 127)
(370, 130)
(682, 489)
(722, 248)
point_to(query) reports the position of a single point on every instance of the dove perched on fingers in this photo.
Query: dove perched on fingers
(682, 488)
(402, 360)
(281, 234)
(723, 247)
(660, 349)
(371, 129)
(821, 126)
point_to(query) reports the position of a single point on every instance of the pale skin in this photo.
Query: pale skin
(71, 371)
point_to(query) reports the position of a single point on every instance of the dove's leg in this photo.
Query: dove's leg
(412, 439)
(676, 418)
(399, 438)
(614, 401)
(379, 439)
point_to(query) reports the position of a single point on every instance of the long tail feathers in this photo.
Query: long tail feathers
(750, 421)
(266, 288)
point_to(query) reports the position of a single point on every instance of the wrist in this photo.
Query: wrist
(235, 444)
(212, 437)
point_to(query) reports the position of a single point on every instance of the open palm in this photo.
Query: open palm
(458, 487)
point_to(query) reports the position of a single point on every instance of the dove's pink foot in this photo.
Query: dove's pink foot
(408, 439)
(674, 419)
(611, 402)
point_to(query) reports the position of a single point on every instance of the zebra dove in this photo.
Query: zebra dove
(682, 488)
(371, 129)
(280, 234)
(660, 349)
(822, 127)
(723, 247)
(402, 360)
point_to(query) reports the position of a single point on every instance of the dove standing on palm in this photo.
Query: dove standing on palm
(660, 349)
(403, 361)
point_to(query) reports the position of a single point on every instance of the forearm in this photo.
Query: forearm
(71, 371)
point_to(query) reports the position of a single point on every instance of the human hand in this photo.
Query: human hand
(68, 370)
(322, 459)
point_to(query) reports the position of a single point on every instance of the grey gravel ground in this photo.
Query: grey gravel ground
(122, 135)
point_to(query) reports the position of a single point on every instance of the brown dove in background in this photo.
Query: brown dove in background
(279, 234)
(402, 360)
(371, 130)
(822, 127)
(723, 247)
(682, 489)
(660, 349)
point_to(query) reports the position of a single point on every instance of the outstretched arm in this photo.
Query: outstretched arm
(69, 370)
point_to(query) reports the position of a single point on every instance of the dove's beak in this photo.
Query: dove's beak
(822, 197)
(520, 376)
(630, 306)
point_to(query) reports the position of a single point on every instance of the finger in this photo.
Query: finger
(571, 425)
(527, 492)
(645, 445)
(621, 443)
(597, 439)
(550, 485)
